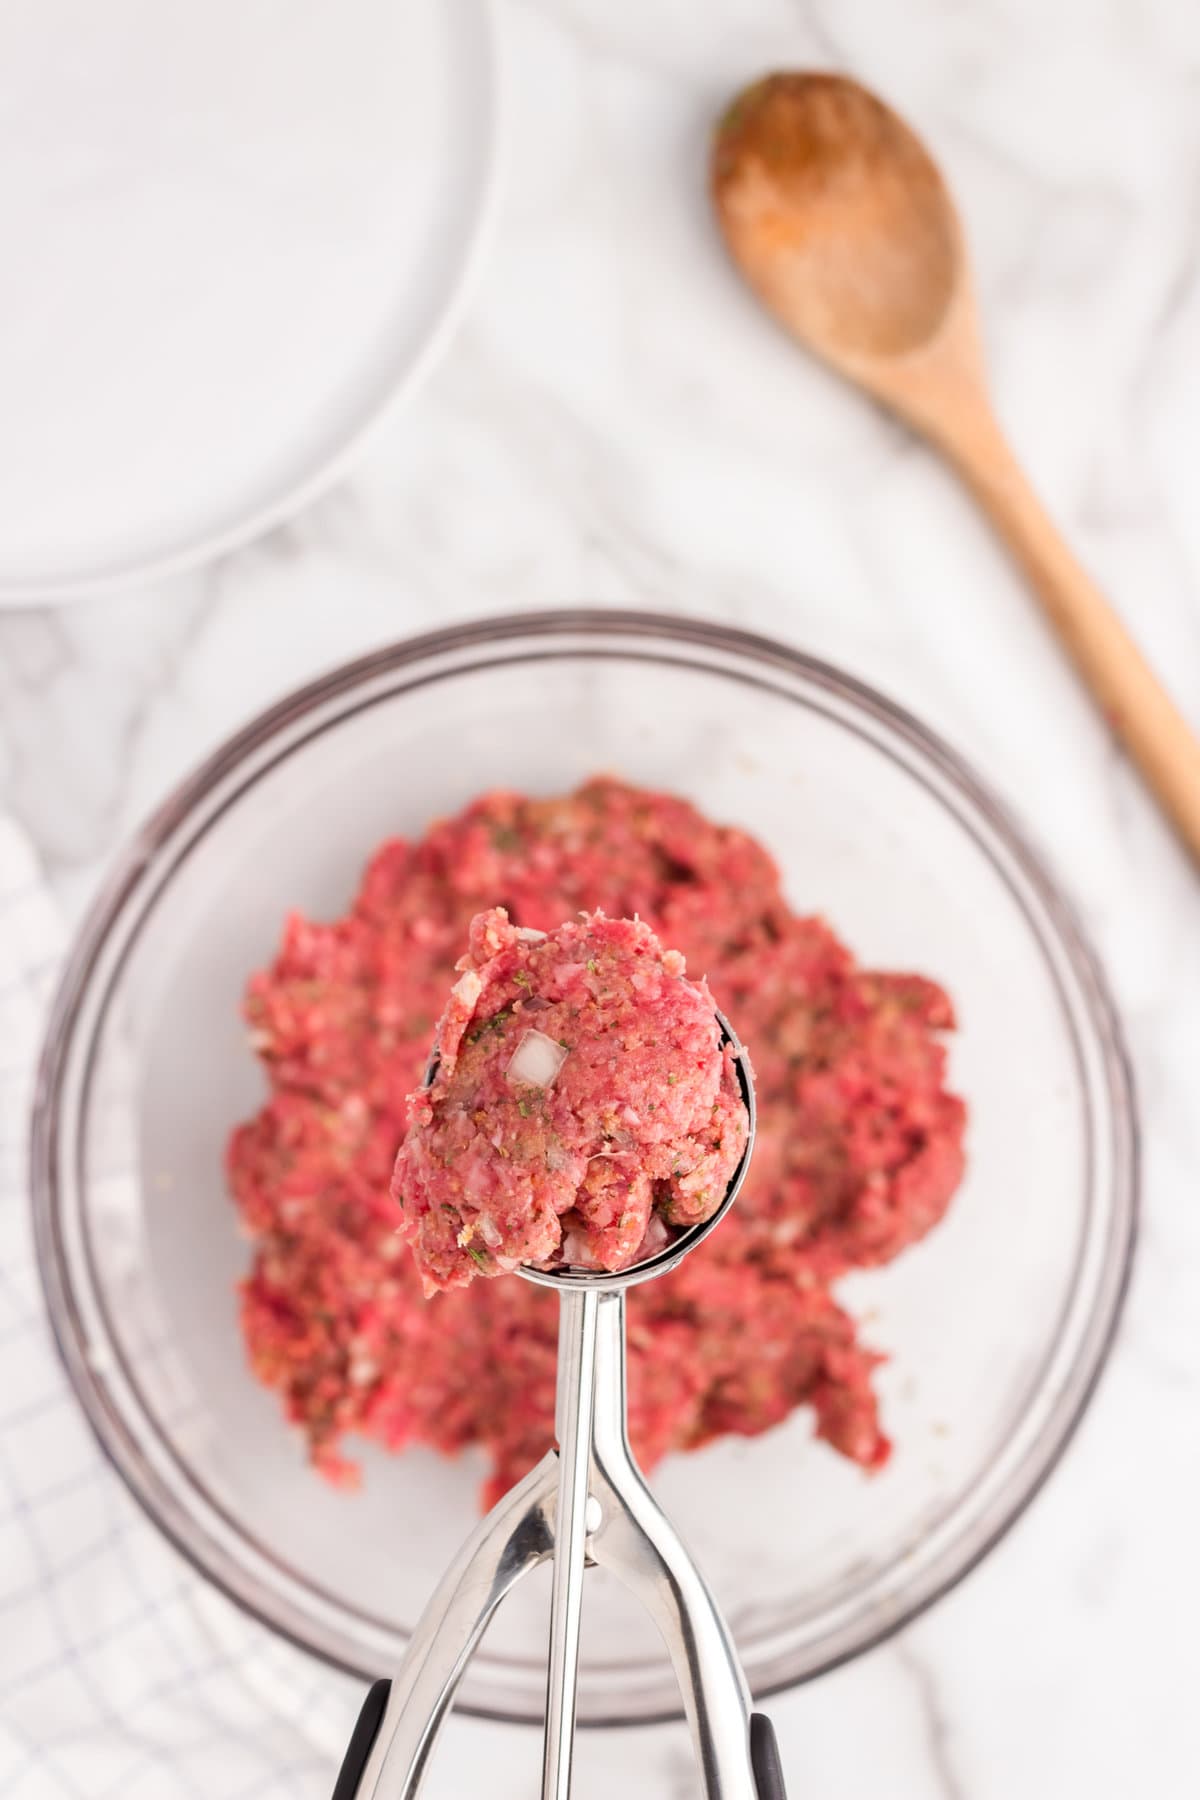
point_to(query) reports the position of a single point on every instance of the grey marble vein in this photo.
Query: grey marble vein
(938, 1731)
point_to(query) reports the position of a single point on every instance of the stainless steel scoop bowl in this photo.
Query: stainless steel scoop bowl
(586, 1502)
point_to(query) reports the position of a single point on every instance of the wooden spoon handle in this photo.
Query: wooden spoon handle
(1133, 700)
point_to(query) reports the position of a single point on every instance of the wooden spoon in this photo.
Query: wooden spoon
(841, 223)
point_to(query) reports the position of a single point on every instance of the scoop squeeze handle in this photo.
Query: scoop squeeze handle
(362, 1741)
(764, 1758)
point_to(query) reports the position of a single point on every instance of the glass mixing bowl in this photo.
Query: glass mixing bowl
(995, 1327)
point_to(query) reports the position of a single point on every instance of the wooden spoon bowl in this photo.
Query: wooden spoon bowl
(876, 265)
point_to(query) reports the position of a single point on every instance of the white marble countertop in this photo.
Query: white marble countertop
(614, 423)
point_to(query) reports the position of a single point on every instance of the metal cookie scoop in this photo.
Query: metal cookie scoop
(585, 1502)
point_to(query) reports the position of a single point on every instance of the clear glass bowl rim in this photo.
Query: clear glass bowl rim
(562, 630)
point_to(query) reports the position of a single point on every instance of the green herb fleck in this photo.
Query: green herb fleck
(522, 979)
(523, 1108)
(479, 1257)
(593, 965)
(497, 1023)
(671, 1080)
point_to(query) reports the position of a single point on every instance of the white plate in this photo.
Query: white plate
(234, 233)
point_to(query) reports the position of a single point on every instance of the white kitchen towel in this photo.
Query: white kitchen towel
(121, 1673)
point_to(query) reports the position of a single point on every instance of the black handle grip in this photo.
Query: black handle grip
(764, 1759)
(362, 1739)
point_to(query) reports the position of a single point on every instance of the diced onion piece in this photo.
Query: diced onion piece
(536, 1059)
(657, 1237)
(467, 989)
(528, 934)
(577, 1253)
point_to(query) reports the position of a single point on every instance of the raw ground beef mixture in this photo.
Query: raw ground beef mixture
(858, 1152)
(580, 1107)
